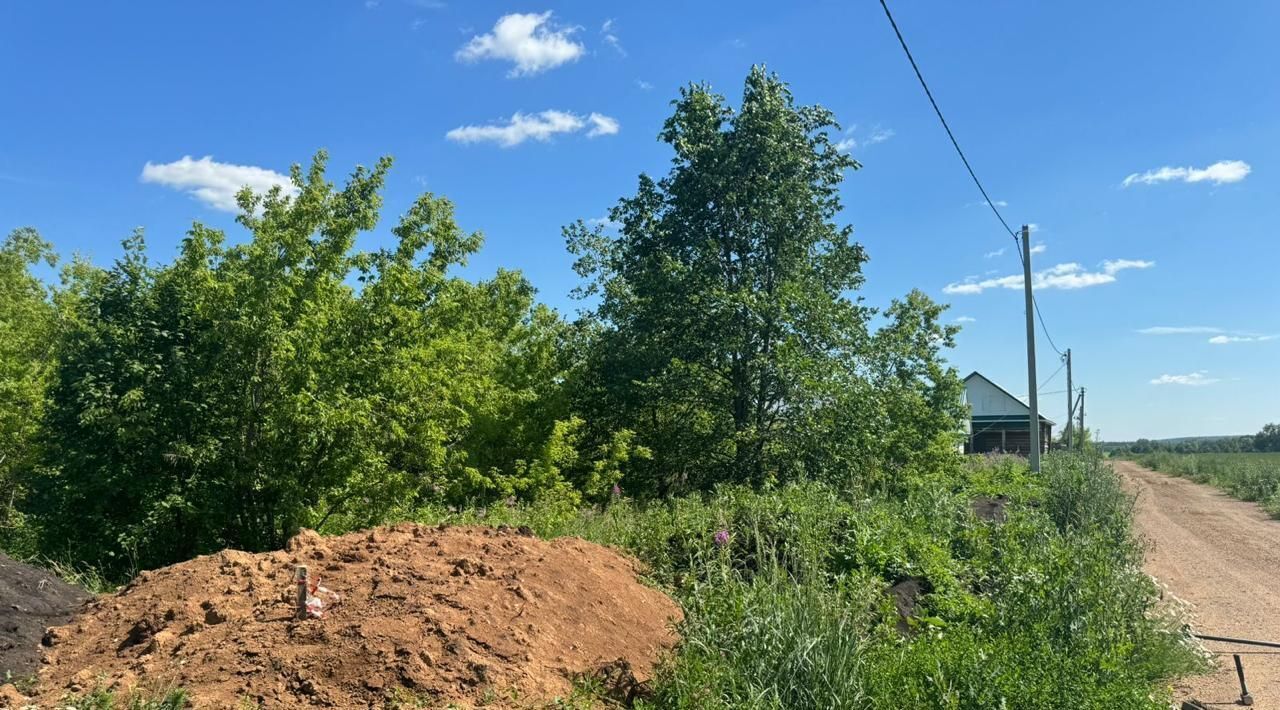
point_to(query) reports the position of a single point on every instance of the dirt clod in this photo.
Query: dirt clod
(990, 509)
(906, 595)
(426, 611)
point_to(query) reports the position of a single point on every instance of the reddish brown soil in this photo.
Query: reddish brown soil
(425, 615)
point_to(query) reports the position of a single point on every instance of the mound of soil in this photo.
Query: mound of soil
(416, 614)
(31, 600)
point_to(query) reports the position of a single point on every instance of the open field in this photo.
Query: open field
(1253, 477)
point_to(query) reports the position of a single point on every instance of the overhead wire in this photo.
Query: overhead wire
(972, 174)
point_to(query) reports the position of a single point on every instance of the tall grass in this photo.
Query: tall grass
(1046, 609)
(1252, 477)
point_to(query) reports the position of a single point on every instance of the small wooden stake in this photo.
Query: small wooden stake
(300, 577)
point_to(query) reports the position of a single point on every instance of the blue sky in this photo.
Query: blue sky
(1056, 105)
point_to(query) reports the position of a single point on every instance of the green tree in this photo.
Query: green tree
(27, 328)
(249, 389)
(726, 334)
(1267, 439)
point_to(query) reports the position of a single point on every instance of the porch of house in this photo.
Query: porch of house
(1005, 434)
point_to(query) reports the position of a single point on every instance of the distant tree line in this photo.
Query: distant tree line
(1266, 440)
(284, 378)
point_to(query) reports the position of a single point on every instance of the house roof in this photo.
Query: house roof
(986, 379)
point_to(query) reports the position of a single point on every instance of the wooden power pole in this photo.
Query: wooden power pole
(1082, 419)
(1031, 349)
(1071, 400)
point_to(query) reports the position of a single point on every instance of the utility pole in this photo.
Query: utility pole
(1031, 349)
(1071, 399)
(1082, 419)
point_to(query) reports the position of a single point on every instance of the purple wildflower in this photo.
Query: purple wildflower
(722, 537)
(617, 491)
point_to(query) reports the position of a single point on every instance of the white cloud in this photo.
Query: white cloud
(994, 254)
(610, 38)
(604, 222)
(527, 40)
(1194, 379)
(966, 319)
(998, 203)
(848, 141)
(1221, 336)
(1223, 171)
(880, 135)
(644, 85)
(539, 126)
(1038, 248)
(1225, 339)
(1062, 276)
(1179, 330)
(602, 125)
(214, 183)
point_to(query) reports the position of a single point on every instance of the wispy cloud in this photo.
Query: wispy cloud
(994, 254)
(539, 126)
(849, 139)
(1227, 339)
(1067, 276)
(1221, 336)
(213, 183)
(602, 125)
(1194, 379)
(1039, 248)
(880, 135)
(610, 37)
(1223, 171)
(604, 222)
(1179, 330)
(527, 40)
(644, 85)
(966, 319)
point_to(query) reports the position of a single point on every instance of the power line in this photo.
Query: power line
(943, 119)
(1050, 377)
(956, 144)
(1036, 304)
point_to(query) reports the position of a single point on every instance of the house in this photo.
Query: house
(998, 421)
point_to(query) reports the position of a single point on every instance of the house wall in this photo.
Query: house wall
(986, 399)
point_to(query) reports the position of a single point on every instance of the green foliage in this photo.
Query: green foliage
(727, 332)
(1252, 477)
(249, 389)
(1266, 440)
(27, 330)
(102, 699)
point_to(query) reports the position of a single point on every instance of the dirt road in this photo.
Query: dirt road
(1223, 557)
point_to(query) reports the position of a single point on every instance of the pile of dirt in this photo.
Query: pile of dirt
(31, 600)
(417, 614)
